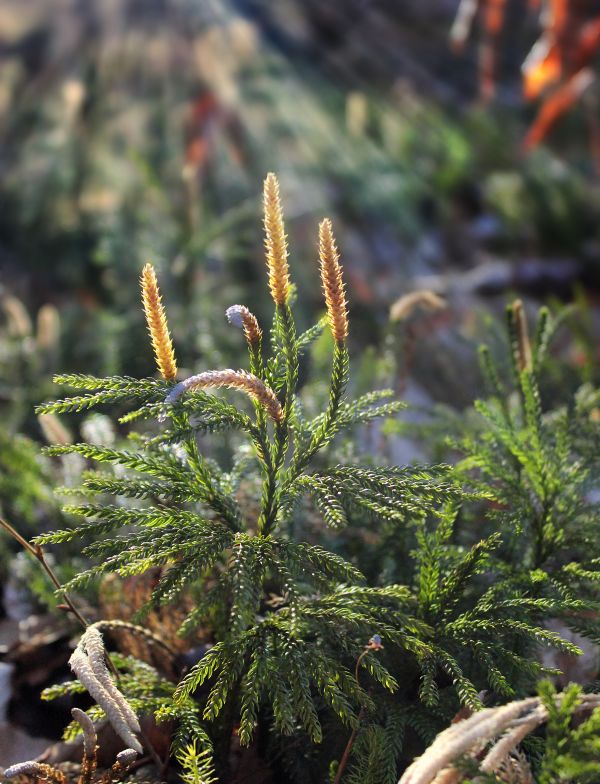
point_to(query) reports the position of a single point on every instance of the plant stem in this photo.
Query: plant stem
(290, 351)
(352, 738)
(323, 434)
(347, 750)
(213, 496)
(39, 555)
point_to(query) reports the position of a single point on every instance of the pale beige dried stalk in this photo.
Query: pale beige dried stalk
(18, 321)
(89, 762)
(460, 739)
(42, 772)
(126, 757)
(514, 770)
(94, 646)
(88, 663)
(53, 429)
(125, 760)
(510, 723)
(524, 357)
(47, 328)
(502, 748)
(404, 307)
(90, 739)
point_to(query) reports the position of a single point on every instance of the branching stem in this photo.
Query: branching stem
(339, 379)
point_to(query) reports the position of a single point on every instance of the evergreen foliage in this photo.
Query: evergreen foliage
(572, 750)
(537, 463)
(292, 614)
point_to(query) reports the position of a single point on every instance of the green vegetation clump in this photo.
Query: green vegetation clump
(353, 608)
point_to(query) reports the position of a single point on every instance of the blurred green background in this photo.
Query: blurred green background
(141, 130)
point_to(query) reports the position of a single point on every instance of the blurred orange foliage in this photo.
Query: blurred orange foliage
(558, 69)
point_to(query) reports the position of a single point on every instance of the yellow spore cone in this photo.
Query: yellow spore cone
(157, 324)
(333, 284)
(275, 242)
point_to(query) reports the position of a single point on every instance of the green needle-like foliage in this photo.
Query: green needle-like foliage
(572, 749)
(291, 617)
(538, 465)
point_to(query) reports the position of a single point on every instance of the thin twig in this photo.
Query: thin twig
(352, 738)
(348, 749)
(37, 552)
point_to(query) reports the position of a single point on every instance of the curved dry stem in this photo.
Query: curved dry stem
(241, 380)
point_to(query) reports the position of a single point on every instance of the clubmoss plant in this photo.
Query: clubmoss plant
(290, 618)
(538, 461)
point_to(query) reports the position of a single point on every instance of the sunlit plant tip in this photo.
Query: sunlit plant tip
(157, 324)
(333, 284)
(275, 242)
(524, 357)
(239, 316)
